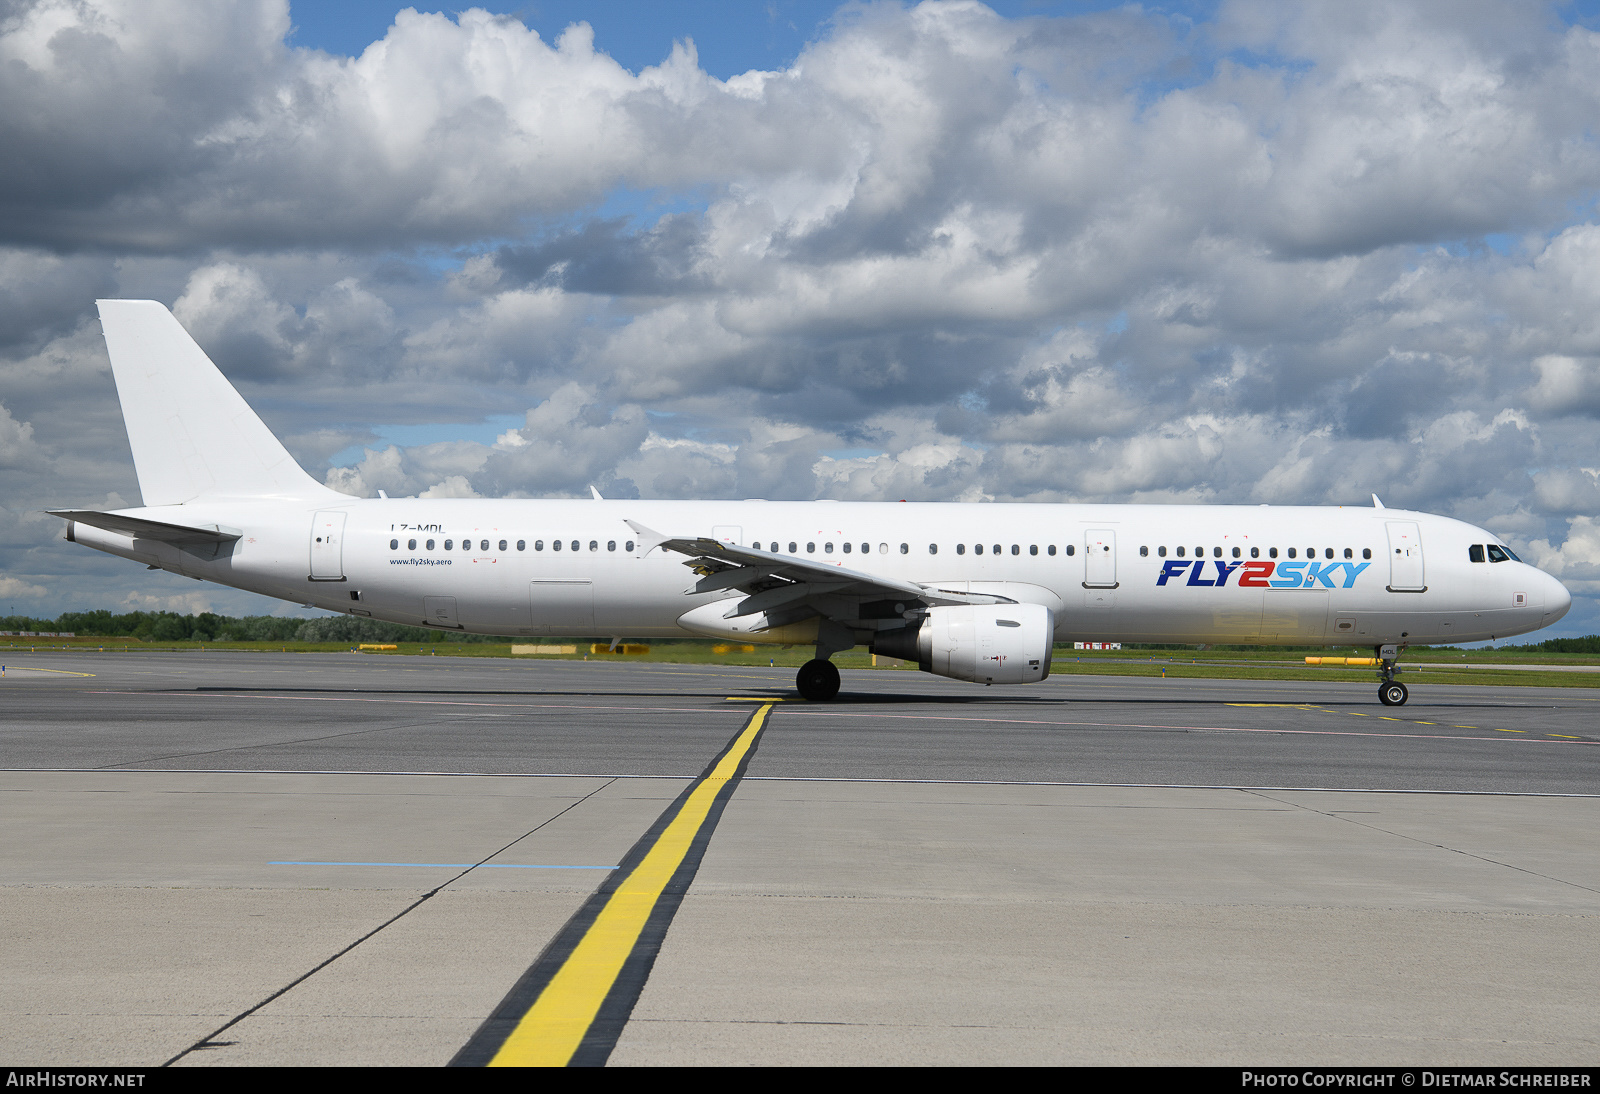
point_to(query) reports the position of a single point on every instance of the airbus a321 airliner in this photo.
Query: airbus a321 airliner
(976, 592)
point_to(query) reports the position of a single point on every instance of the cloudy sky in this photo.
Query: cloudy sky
(1231, 252)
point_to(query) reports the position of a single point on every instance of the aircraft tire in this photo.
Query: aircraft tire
(1393, 694)
(817, 680)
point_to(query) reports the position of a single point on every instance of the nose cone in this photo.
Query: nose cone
(1557, 601)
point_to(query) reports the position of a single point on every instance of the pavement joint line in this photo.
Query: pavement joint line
(270, 744)
(569, 1008)
(35, 668)
(446, 865)
(189, 693)
(806, 712)
(210, 1039)
(1429, 843)
(620, 775)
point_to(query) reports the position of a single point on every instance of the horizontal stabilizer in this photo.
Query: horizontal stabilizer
(139, 528)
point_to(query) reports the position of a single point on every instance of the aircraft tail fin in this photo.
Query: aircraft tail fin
(192, 435)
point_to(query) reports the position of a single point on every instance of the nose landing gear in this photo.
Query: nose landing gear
(1391, 692)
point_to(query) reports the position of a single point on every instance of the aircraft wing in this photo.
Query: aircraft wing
(787, 587)
(141, 528)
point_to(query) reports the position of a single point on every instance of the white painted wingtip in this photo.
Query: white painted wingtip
(596, 494)
(1376, 504)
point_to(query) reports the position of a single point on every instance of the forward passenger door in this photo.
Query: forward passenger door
(1406, 574)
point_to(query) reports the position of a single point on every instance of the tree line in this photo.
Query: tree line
(209, 627)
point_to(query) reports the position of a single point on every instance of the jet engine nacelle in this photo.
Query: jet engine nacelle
(983, 643)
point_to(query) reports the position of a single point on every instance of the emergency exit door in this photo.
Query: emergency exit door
(1100, 558)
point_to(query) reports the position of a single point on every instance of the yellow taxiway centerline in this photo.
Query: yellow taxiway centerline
(554, 1027)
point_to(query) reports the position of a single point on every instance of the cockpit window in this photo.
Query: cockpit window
(1475, 553)
(1498, 553)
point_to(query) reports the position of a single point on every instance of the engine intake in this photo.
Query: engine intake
(983, 643)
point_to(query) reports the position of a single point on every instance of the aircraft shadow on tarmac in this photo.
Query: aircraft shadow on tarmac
(850, 698)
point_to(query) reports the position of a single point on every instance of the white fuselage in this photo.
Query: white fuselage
(1266, 575)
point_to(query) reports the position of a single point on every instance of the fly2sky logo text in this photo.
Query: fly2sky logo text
(1305, 574)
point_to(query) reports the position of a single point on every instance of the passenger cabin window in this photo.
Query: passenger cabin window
(961, 548)
(411, 545)
(555, 545)
(1348, 553)
(522, 545)
(449, 544)
(933, 548)
(1033, 548)
(1071, 549)
(1236, 552)
(1291, 552)
(1255, 552)
(1144, 552)
(611, 545)
(1052, 549)
(394, 545)
(1366, 552)
(905, 548)
(846, 546)
(1180, 552)
(827, 548)
(1272, 552)
(793, 547)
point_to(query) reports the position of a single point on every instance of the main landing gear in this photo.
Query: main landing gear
(1391, 692)
(817, 680)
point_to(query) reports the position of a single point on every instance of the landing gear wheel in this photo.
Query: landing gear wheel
(1393, 694)
(817, 680)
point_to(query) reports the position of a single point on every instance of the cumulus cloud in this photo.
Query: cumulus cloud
(16, 440)
(20, 589)
(1576, 560)
(1289, 253)
(187, 603)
